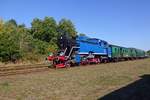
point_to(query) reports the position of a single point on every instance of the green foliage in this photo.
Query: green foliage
(5, 86)
(40, 46)
(1, 24)
(9, 43)
(148, 52)
(11, 22)
(14, 41)
(67, 27)
(44, 30)
(19, 43)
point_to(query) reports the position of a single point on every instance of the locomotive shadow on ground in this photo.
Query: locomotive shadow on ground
(138, 90)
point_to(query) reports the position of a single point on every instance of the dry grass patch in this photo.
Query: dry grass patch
(78, 83)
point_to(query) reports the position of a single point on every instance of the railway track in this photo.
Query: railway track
(22, 69)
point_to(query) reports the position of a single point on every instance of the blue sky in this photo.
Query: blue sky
(120, 22)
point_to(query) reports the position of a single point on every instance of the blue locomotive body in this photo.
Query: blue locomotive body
(97, 46)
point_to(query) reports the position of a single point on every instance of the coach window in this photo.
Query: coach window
(115, 49)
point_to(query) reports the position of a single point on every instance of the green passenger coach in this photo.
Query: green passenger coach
(119, 52)
(123, 53)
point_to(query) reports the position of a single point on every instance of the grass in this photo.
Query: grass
(78, 83)
(4, 86)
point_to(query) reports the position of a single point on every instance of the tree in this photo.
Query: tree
(11, 22)
(67, 27)
(25, 38)
(148, 52)
(45, 30)
(14, 41)
(9, 42)
(1, 24)
(36, 26)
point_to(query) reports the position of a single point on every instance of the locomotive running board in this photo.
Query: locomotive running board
(93, 53)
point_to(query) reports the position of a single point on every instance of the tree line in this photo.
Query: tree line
(20, 43)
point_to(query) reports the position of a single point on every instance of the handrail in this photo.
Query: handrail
(71, 51)
(65, 51)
